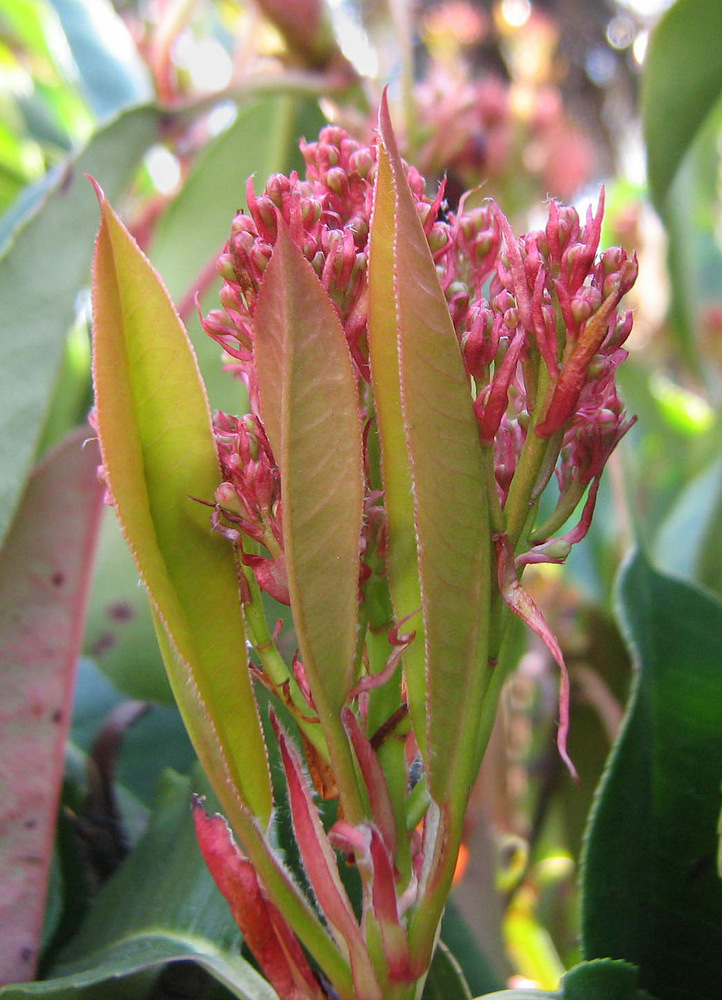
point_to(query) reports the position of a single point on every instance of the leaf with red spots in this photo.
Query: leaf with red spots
(45, 569)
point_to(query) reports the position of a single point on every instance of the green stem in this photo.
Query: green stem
(417, 803)
(521, 498)
(563, 511)
(384, 702)
(497, 521)
(275, 667)
(352, 792)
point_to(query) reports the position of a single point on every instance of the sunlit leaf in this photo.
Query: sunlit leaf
(261, 141)
(111, 70)
(45, 569)
(401, 561)
(159, 455)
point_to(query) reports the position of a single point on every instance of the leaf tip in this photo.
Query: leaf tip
(386, 131)
(99, 193)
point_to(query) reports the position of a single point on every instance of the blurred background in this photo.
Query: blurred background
(172, 104)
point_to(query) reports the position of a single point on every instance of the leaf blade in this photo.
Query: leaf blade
(402, 559)
(30, 352)
(45, 569)
(309, 403)
(158, 453)
(655, 821)
(449, 499)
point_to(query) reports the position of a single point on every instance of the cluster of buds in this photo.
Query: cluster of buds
(535, 335)
(541, 335)
(328, 216)
(537, 319)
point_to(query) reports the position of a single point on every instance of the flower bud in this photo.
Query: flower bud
(337, 181)
(362, 162)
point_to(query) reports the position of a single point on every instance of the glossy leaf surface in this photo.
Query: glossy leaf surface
(654, 827)
(158, 453)
(682, 83)
(45, 569)
(39, 284)
(309, 404)
(449, 495)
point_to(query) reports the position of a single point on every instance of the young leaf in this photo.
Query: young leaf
(265, 931)
(449, 493)
(310, 408)
(401, 561)
(654, 826)
(45, 568)
(320, 864)
(158, 454)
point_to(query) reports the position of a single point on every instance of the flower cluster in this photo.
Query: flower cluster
(537, 319)
(328, 215)
(542, 336)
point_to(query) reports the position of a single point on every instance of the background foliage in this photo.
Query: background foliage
(171, 106)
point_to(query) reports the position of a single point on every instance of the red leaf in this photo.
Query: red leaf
(266, 932)
(374, 780)
(321, 867)
(44, 573)
(522, 605)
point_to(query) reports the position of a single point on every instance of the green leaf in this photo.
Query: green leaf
(197, 222)
(401, 561)
(445, 980)
(601, 979)
(119, 633)
(42, 268)
(155, 742)
(162, 906)
(476, 965)
(651, 891)
(682, 83)
(687, 544)
(112, 72)
(159, 454)
(310, 408)
(45, 569)
(449, 498)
